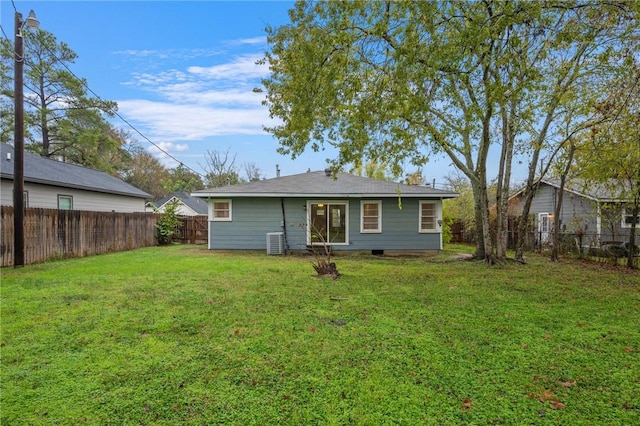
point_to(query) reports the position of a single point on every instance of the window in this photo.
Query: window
(26, 199)
(65, 202)
(627, 218)
(222, 210)
(371, 216)
(327, 223)
(544, 226)
(428, 216)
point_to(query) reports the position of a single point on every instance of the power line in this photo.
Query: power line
(4, 34)
(115, 113)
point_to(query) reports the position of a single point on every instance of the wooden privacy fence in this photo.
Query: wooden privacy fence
(55, 234)
(192, 229)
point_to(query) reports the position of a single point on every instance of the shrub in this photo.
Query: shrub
(167, 222)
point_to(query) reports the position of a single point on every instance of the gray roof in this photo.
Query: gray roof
(611, 191)
(198, 205)
(318, 184)
(45, 171)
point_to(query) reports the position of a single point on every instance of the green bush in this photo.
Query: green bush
(167, 222)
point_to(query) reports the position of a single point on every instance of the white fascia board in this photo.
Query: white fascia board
(318, 195)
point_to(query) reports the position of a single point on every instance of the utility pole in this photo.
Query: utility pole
(18, 140)
(18, 148)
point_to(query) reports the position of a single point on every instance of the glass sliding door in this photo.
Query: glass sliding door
(328, 223)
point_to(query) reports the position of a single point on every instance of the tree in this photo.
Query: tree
(182, 179)
(371, 169)
(252, 172)
(60, 119)
(6, 94)
(611, 156)
(404, 80)
(461, 208)
(168, 221)
(221, 169)
(144, 171)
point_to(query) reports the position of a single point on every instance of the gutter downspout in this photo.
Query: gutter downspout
(284, 228)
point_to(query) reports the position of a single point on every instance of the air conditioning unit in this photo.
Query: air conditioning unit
(275, 243)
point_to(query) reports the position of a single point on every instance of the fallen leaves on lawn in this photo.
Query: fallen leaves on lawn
(466, 404)
(556, 405)
(548, 396)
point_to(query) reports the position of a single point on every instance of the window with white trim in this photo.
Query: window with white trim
(222, 210)
(65, 202)
(370, 216)
(428, 216)
(627, 218)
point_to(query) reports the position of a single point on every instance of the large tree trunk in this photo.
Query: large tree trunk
(480, 253)
(489, 255)
(481, 169)
(504, 177)
(555, 250)
(523, 224)
(44, 126)
(484, 246)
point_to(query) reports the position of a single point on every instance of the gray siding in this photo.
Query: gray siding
(253, 218)
(399, 229)
(579, 213)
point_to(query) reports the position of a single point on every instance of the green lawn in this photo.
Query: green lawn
(180, 335)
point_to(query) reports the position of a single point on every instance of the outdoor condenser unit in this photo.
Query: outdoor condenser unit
(275, 243)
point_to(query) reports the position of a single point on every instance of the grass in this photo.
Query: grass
(181, 335)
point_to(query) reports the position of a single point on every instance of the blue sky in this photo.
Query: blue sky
(182, 73)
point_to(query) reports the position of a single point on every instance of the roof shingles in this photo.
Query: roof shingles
(319, 184)
(51, 172)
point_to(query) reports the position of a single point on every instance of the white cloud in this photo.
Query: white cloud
(157, 79)
(242, 67)
(175, 122)
(198, 101)
(179, 54)
(249, 41)
(161, 149)
(174, 147)
(192, 94)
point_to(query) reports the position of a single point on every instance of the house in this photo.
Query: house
(53, 184)
(593, 211)
(344, 211)
(187, 204)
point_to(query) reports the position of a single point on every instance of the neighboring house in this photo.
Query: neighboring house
(187, 205)
(347, 212)
(53, 184)
(591, 211)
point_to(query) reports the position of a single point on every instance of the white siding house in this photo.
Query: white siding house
(187, 205)
(56, 185)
